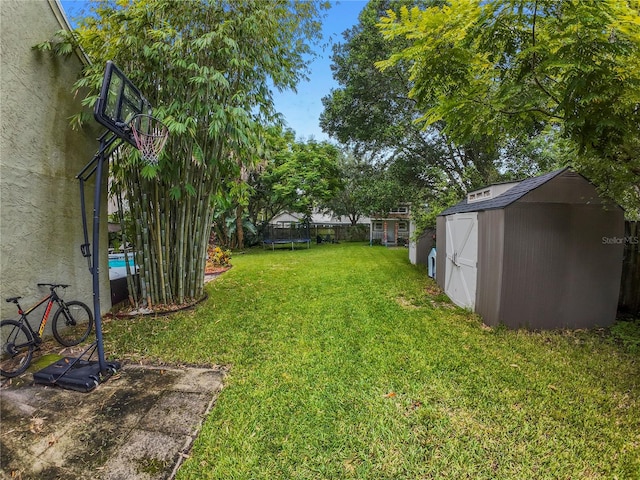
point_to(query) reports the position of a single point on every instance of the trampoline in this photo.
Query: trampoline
(286, 233)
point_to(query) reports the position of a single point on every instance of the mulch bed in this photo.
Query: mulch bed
(124, 310)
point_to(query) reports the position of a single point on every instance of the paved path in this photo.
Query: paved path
(140, 424)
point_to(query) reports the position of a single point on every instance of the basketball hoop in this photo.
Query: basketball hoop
(150, 135)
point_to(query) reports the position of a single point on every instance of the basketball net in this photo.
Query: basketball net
(150, 135)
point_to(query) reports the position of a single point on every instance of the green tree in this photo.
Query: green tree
(351, 200)
(307, 175)
(208, 68)
(499, 68)
(230, 217)
(382, 190)
(297, 176)
(373, 113)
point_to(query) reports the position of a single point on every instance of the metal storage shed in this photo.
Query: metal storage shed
(533, 254)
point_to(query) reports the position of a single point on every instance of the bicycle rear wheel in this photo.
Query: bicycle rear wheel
(16, 348)
(72, 323)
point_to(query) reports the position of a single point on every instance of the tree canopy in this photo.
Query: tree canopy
(297, 176)
(373, 113)
(368, 189)
(497, 68)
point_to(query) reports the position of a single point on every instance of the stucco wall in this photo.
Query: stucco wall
(40, 155)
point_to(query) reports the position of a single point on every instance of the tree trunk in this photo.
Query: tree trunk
(239, 227)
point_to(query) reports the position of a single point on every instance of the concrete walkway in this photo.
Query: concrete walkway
(140, 424)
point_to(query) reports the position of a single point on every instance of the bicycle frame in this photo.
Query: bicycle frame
(51, 298)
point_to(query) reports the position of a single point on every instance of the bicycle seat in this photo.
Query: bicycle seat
(13, 299)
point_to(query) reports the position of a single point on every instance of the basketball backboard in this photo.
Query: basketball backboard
(119, 102)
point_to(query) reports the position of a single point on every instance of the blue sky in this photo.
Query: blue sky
(301, 110)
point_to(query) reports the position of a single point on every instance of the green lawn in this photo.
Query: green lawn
(346, 363)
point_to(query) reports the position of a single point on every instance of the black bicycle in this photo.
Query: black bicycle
(72, 324)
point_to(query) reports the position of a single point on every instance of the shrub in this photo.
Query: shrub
(218, 257)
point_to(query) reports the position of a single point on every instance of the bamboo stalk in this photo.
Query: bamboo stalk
(153, 254)
(161, 276)
(133, 300)
(180, 240)
(197, 255)
(193, 225)
(188, 249)
(166, 222)
(206, 232)
(147, 252)
(142, 270)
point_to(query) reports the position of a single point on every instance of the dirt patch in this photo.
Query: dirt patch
(433, 290)
(216, 270)
(407, 303)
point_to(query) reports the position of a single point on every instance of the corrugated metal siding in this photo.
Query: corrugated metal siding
(558, 273)
(535, 257)
(490, 265)
(423, 246)
(441, 242)
(596, 271)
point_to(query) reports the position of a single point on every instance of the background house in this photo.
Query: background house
(393, 228)
(40, 155)
(533, 254)
(396, 228)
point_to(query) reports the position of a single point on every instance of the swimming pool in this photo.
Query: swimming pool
(118, 265)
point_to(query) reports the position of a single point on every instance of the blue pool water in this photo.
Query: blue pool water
(120, 263)
(117, 266)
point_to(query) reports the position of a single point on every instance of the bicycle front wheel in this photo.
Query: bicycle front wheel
(17, 346)
(72, 323)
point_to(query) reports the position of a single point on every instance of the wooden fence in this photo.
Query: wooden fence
(629, 300)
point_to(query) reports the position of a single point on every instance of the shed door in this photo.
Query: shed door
(462, 258)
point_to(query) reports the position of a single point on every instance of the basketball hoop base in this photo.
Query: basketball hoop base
(75, 374)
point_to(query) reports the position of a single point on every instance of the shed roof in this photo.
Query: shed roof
(507, 198)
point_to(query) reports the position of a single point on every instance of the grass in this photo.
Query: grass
(346, 362)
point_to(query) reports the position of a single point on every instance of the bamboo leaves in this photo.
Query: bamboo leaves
(208, 68)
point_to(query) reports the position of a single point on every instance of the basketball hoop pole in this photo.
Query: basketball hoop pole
(126, 114)
(96, 165)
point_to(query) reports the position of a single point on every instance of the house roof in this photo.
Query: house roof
(61, 16)
(317, 218)
(505, 199)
